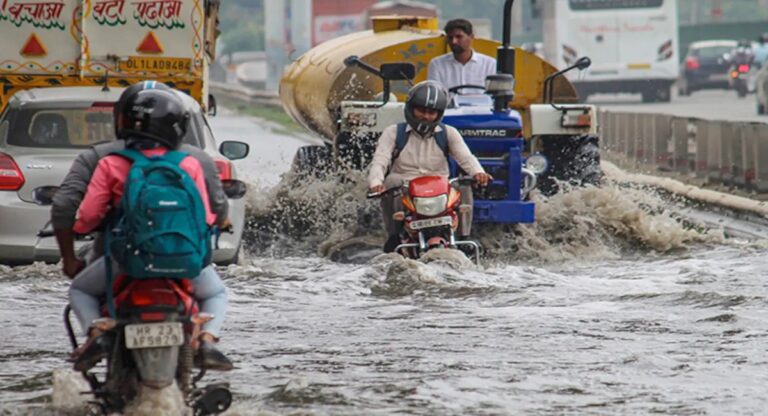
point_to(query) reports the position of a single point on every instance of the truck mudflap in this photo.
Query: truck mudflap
(502, 201)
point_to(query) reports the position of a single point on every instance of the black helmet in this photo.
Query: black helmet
(427, 94)
(130, 91)
(155, 115)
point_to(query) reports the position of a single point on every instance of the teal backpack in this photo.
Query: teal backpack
(160, 229)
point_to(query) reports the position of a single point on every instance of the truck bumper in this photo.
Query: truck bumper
(503, 212)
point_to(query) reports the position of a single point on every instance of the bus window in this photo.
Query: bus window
(613, 4)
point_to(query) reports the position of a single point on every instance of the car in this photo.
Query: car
(42, 130)
(761, 89)
(706, 66)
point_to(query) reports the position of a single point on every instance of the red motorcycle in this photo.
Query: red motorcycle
(430, 219)
(152, 342)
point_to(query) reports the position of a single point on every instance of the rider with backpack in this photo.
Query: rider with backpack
(420, 147)
(162, 220)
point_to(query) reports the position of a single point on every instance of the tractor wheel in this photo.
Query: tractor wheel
(572, 159)
(312, 161)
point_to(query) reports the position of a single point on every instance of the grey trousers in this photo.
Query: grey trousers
(391, 204)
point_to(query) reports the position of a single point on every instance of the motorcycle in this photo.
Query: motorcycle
(151, 340)
(740, 77)
(430, 219)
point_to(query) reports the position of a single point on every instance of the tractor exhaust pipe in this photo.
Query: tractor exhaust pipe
(505, 55)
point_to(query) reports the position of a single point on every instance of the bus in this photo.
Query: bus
(633, 44)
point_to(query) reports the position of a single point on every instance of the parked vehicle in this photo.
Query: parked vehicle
(43, 130)
(706, 66)
(633, 44)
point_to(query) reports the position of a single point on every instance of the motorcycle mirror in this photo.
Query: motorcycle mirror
(233, 188)
(583, 63)
(398, 71)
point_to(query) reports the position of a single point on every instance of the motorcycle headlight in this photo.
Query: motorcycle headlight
(537, 163)
(431, 206)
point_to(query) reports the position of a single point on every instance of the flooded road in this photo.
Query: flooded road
(610, 304)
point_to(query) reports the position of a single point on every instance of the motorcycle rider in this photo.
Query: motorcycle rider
(421, 156)
(743, 54)
(761, 51)
(89, 283)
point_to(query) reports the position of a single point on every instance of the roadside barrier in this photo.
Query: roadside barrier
(722, 152)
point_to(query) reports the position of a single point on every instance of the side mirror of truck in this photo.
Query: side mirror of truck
(233, 150)
(398, 71)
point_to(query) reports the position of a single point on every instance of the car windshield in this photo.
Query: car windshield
(70, 127)
(712, 51)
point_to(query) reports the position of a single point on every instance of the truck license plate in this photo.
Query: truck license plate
(431, 222)
(155, 64)
(162, 334)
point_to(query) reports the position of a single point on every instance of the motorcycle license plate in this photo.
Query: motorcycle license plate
(430, 222)
(161, 334)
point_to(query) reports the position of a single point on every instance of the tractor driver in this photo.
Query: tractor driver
(423, 153)
(464, 65)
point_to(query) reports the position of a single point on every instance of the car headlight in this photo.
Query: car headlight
(431, 206)
(537, 163)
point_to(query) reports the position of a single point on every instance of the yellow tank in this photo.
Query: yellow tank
(313, 86)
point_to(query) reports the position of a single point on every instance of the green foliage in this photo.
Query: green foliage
(242, 25)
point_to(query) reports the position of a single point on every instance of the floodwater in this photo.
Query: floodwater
(612, 303)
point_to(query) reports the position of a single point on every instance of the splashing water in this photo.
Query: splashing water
(330, 215)
(155, 402)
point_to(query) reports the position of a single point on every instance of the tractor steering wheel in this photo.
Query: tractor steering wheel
(456, 89)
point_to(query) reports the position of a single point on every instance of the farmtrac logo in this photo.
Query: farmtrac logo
(44, 14)
(488, 132)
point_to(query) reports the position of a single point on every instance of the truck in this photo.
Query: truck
(634, 44)
(52, 43)
(347, 90)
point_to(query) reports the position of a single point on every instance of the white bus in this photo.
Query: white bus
(633, 44)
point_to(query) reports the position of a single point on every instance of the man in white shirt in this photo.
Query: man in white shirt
(424, 153)
(464, 66)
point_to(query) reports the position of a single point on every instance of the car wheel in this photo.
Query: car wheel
(760, 108)
(232, 260)
(312, 161)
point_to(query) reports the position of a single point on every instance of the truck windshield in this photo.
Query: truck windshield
(71, 127)
(613, 4)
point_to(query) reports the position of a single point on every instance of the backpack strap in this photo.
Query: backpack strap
(175, 157)
(133, 155)
(400, 141)
(441, 137)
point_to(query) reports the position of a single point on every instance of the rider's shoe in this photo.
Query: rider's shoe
(210, 358)
(90, 353)
(392, 242)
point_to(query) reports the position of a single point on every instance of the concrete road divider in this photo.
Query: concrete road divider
(722, 152)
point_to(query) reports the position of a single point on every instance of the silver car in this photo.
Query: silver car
(41, 133)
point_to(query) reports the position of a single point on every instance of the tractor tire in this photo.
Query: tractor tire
(355, 151)
(312, 161)
(572, 159)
